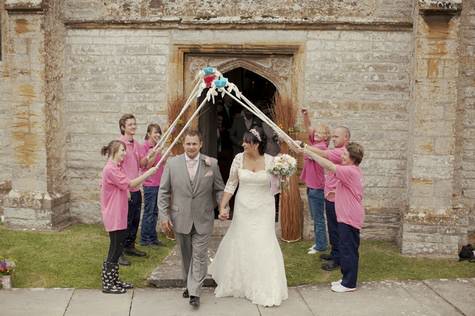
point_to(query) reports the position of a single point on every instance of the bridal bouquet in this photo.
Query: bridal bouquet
(284, 166)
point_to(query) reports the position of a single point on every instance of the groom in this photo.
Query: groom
(190, 188)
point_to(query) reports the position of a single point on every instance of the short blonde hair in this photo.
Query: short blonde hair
(326, 131)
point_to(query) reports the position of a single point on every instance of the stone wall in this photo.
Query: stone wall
(467, 102)
(356, 78)
(361, 80)
(5, 175)
(108, 73)
(435, 221)
(33, 66)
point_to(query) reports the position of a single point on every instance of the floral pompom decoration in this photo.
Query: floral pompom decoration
(6, 267)
(284, 166)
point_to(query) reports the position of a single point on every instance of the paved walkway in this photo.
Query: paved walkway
(432, 297)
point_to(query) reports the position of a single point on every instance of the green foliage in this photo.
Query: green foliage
(379, 260)
(70, 258)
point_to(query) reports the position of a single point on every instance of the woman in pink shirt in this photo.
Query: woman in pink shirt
(314, 178)
(349, 211)
(114, 206)
(148, 233)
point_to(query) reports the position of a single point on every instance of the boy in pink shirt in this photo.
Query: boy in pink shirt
(114, 207)
(131, 167)
(349, 211)
(148, 233)
(313, 176)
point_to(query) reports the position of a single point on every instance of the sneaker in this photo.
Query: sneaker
(336, 282)
(312, 251)
(338, 288)
(313, 247)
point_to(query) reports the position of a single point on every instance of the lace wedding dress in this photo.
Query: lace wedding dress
(249, 262)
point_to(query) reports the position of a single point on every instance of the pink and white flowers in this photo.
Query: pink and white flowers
(284, 166)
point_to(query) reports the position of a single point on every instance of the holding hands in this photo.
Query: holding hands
(224, 213)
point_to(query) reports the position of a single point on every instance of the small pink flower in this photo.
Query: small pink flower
(207, 161)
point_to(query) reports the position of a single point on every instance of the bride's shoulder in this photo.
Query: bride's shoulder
(238, 157)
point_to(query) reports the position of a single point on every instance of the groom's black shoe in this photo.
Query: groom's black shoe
(195, 301)
(186, 294)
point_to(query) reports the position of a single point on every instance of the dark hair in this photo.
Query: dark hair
(192, 132)
(250, 138)
(150, 128)
(122, 121)
(112, 148)
(356, 152)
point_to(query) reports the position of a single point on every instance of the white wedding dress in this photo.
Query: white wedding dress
(249, 262)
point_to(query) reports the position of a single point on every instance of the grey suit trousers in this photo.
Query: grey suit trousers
(194, 253)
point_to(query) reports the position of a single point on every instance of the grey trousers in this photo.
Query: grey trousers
(194, 256)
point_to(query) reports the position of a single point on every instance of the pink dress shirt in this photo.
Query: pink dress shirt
(114, 200)
(153, 180)
(334, 155)
(349, 196)
(131, 163)
(312, 173)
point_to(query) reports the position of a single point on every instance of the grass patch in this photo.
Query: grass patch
(73, 258)
(70, 258)
(379, 260)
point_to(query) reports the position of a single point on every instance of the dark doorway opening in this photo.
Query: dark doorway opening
(223, 123)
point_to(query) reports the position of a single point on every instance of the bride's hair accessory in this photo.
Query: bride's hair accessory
(256, 133)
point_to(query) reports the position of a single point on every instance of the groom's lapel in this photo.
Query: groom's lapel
(199, 174)
(186, 176)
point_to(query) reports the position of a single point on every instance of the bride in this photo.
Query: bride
(249, 262)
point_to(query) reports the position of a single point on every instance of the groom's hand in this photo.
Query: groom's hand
(223, 214)
(166, 226)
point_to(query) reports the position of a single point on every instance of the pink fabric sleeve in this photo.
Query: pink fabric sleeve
(334, 155)
(344, 174)
(117, 178)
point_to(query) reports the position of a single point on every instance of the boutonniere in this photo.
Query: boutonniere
(207, 161)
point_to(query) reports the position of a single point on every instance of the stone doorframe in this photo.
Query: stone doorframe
(280, 64)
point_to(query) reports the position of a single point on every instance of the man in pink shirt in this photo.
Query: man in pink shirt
(340, 137)
(349, 211)
(131, 167)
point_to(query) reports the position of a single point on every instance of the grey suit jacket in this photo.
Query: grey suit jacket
(185, 203)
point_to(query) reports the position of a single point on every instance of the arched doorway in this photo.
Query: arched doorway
(224, 122)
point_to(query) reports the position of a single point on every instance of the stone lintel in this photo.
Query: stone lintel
(217, 24)
(36, 210)
(23, 6)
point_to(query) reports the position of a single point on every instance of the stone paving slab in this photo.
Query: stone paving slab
(94, 302)
(460, 293)
(434, 297)
(294, 305)
(33, 302)
(376, 298)
(169, 302)
(169, 273)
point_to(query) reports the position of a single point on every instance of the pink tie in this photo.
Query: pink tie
(191, 168)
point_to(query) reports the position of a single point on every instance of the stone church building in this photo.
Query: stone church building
(399, 73)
